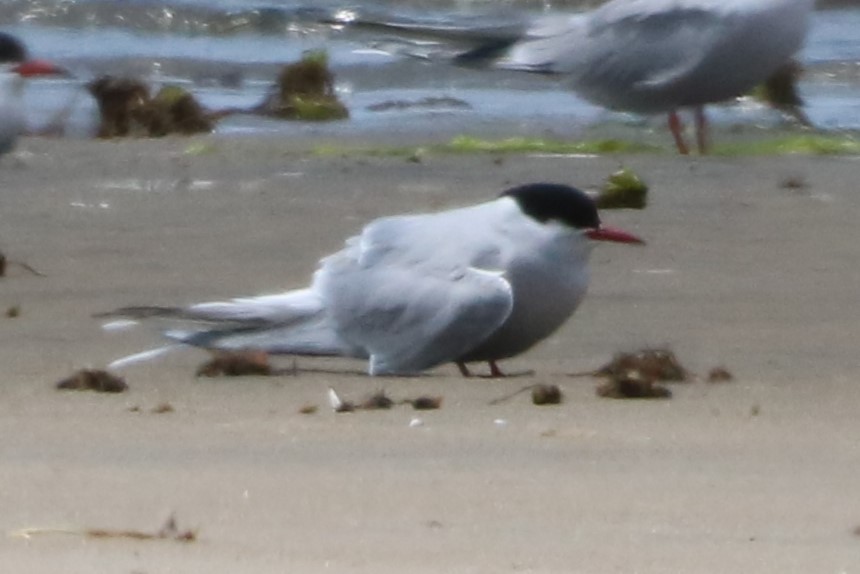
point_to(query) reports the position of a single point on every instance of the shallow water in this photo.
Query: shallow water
(228, 51)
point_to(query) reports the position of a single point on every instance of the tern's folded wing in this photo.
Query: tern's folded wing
(409, 318)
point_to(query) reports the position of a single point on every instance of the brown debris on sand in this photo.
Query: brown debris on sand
(236, 364)
(93, 380)
(541, 394)
(634, 375)
(546, 395)
(632, 384)
(720, 375)
(425, 403)
(654, 364)
(380, 400)
(127, 109)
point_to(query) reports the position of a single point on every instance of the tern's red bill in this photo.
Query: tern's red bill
(39, 68)
(604, 233)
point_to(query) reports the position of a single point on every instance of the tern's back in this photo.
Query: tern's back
(654, 55)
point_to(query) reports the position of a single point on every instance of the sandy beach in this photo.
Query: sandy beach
(751, 263)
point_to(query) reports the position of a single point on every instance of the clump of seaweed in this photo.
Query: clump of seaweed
(93, 380)
(623, 189)
(304, 91)
(632, 384)
(174, 110)
(127, 109)
(120, 101)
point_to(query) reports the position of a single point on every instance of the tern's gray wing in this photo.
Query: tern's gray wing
(410, 306)
(631, 46)
(649, 55)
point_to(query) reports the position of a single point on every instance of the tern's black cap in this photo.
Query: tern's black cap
(11, 49)
(554, 201)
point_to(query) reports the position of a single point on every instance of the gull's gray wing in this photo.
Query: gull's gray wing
(411, 301)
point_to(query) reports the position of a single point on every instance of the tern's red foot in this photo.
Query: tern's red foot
(677, 129)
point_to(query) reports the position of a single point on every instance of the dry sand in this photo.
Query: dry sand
(758, 475)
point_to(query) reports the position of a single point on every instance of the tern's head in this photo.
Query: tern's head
(14, 59)
(557, 203)
(11, 49)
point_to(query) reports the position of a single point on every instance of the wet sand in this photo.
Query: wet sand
(743, 269)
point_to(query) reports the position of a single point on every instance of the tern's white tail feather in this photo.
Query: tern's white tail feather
(294, 322)
(142, 356)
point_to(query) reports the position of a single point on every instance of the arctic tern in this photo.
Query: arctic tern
(411, 292)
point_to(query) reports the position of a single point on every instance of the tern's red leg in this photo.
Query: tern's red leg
(464, 370)
(701, 129)
(677, 129)
(495, 371)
